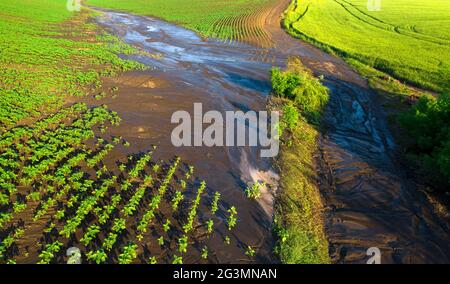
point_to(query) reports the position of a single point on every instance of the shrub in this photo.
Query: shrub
(299, 85)
(428, 126)
(290, 117)
(284, 83)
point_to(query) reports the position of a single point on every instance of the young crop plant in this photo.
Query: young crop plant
(86, 206)
(119, 225)
(131, 206)
(177, 259)
(210, 226)
(90, 234)
(204, 254)
(98, 256)
(50, 228)
(183, 184)
(161, 241)
(166, 226)
(99, 156)
(48, 254)
(7, 242)
(183, 244)
(109, 241)
(177, 198)
(189, 226)
(231, 221)
(140, 165)
(5, 218)
(107, 210)
(189, 173)
(215, 202)
(60, 214)
(250, 252)
(254, 191)
(227, 240)
(152, 260)
(129, 254)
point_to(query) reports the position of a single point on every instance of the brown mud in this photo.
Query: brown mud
(369, 201)
(185, 69)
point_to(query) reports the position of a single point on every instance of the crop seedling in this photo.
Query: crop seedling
(183, 244)
(177, 259)
(250, 252)
(128, 254)
(161, 241)
(166, 226)
(232, 218)
(210, 226)
(254, 191)
(178, 197)
(98, 256)
(215, 202)
(205, 252)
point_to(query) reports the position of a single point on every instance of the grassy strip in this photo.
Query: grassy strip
(298, 213)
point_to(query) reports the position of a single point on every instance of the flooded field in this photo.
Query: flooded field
(369, 201)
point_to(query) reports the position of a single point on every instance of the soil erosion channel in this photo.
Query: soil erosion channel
(370, 203)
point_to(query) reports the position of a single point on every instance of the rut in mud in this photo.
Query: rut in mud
(369, 201)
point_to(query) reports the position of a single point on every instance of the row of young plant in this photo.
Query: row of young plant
(50, 185)
(101, 197)
(36, 156)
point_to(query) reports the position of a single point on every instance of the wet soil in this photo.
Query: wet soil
(369, 201)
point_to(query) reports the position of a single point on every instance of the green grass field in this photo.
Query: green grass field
(407, 39)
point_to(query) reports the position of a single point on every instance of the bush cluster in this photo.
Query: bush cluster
(300, 86)
(428, 125)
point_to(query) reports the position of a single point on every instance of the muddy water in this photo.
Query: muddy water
(185, 69)
(369, 201)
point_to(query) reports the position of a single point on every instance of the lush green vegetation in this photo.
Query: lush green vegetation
(407, 39)
(218, 18)
(41, 61)
(303, 89)
(428, 124)
(298, 217)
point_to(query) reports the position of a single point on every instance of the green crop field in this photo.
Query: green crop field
(219, 18)
(55, 183)
(41, 61)
(408, 39)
